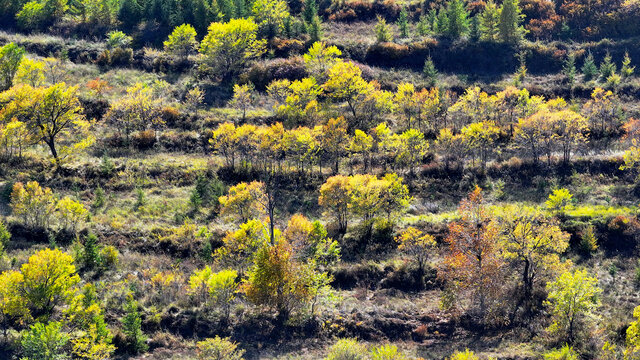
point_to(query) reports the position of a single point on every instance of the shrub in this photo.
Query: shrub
(33, 203)
(564, 353)
(464, 355)
(219, 349)
(121, 57)
(132, 327)
(45, 342)
(5, 236)
(144, 140)
(109, 256)
(387, 352)
(588, 240)
(347, 349)
(559, 200)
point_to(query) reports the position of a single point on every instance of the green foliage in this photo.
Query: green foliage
(277, 280)
(33, 16)
(383, 31)
(589, 68)
(10, 59)
(387, 352)
(347, 349)
(588, 240)
(489, 20)
(90, 253)
(314, 29)
(45, 342)
(510, 29)
(5, 236)
(569, 69)
(627, 70)
(132, 327)
(464, 355)
(99, 198)
(310, 11)
(474, 29)
(572, 299)
(566, 352)
(218, 289)
(182, 41)
(607, 68)
(560, 200)
(423, 28)
(430, 72)
(457, 19)
(403, 23)
(228, 47)
(118, 39)
(141, 199)
(219, 349)
(270, 16)
(521, 73)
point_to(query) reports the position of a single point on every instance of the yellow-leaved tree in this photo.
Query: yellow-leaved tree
(229, 47)
(53, 116)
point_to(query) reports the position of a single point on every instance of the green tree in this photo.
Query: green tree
(510, 29)
(242, 98)
(270, 16)
(45, 281)
(627, 69)
(589, 68)
(132, 327)
(458, 19)
(182, 41)
(572, 299)
(45, 342)
(569, 69)
(228, 47)
(607, 67)
(10, 59)
(489, 20)
(30, 72)
(310, 10)
(430, 72)
(383, 31)
(320, 58)
(34, 204)
(314, 29)
(403, 22)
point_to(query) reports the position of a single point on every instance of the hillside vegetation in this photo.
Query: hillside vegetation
(319, 179)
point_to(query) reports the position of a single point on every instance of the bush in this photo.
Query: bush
(263, 73)
(5, 236)
(109, 257)
(144, 140)
(564, 353)
(387, 352)
(121, 57)
(347, 349)
(46, 342)
(219, 349)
